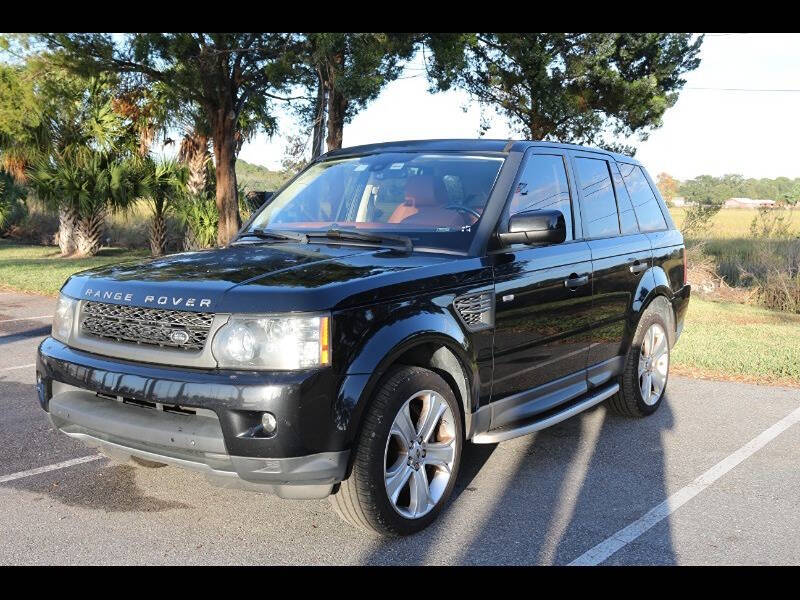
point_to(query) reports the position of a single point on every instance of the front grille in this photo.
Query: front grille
(151, 326)
(476, 310)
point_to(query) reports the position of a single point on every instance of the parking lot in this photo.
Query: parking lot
(712, 478)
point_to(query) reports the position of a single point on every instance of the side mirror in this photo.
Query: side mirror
(535, 227)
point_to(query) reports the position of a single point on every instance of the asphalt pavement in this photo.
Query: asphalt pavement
(711, 478)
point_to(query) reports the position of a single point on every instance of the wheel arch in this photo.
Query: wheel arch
(654, 287)
(444, 355)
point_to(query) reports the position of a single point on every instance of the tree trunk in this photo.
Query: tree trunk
(194, 154)
(89, 233)
(67, 220)
(190, 242)
(319, 117)
(337, 106)
(158, 235)
(227, 194)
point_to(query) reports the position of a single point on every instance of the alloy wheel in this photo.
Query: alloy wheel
(420, 454)
(653, 364)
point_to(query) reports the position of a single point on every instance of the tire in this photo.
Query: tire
(363, 499)
(630, 400)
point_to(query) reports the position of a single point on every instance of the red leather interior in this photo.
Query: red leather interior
(425, 199)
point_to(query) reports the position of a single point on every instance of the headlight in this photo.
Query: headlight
(280, 342)
(63, 318)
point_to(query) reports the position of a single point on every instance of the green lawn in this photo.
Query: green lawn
(41, 270)
(740, 342)
(719, 340)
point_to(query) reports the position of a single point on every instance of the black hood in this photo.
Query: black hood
(277, 277)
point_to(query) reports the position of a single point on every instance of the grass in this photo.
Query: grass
(739, 342)
(41, 270)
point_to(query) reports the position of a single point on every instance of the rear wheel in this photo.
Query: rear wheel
(407, 455)
(644, 379)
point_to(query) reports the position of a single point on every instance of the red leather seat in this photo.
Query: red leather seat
(425, 199)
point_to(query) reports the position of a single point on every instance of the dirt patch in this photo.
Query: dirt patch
(698, 373)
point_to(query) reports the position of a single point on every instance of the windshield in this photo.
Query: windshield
(434, 199)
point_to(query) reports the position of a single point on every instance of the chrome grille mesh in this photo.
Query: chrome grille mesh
(152, 326)
(476, 310)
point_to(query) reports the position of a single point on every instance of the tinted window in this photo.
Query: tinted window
(598, 202)
(627, 218)
(543, 185)
(648, 212)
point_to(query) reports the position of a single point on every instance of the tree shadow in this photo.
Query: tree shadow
(41, 331)
(27, 440)
(111, 489)
(573, 486)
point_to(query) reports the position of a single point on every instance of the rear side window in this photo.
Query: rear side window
(543, 185)
(627, 218)
(597, 195)
(648, 212)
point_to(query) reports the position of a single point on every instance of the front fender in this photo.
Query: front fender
(393, 331)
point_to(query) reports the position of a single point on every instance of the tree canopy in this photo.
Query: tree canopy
(582, 88)
(232, 78)
(706, 189)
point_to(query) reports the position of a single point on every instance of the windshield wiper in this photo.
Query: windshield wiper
(360, 236)
(274, 234)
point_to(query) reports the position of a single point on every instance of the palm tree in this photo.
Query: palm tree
(88, 185)
(90, 164)
(166, 186)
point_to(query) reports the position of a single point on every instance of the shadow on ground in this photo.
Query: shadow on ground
(111, 488)
(569, 488)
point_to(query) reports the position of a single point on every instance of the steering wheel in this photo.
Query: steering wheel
(465, 209)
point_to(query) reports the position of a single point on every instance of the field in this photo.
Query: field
(733, 222)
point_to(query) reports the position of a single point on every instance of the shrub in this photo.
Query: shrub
(779, 290)
(199, 215)
(12, 202)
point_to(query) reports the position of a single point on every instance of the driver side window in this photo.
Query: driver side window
(543, 185)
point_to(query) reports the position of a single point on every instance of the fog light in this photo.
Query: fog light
(269, 422)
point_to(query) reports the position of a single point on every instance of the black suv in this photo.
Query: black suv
(389, 303)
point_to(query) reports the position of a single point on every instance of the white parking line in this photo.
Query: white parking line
(27, 318)
(624, 536)
(55, 467)
(19, 367)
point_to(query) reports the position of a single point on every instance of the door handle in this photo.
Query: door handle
(638, 267)
(574, 281)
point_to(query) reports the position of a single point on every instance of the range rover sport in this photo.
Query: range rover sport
(387, 305)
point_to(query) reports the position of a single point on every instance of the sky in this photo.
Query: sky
(708, 131)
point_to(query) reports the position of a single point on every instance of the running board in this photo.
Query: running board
(507, 433)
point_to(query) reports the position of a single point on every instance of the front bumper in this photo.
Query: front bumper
(199, 419)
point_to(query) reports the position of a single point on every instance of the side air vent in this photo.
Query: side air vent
(476, 310)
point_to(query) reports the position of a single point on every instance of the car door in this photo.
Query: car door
(543, 300)
(655, 222)
(621, 255)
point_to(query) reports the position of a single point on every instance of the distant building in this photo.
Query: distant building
(679, 201)
(748, 203)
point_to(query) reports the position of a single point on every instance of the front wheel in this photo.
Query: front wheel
(407, 455)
